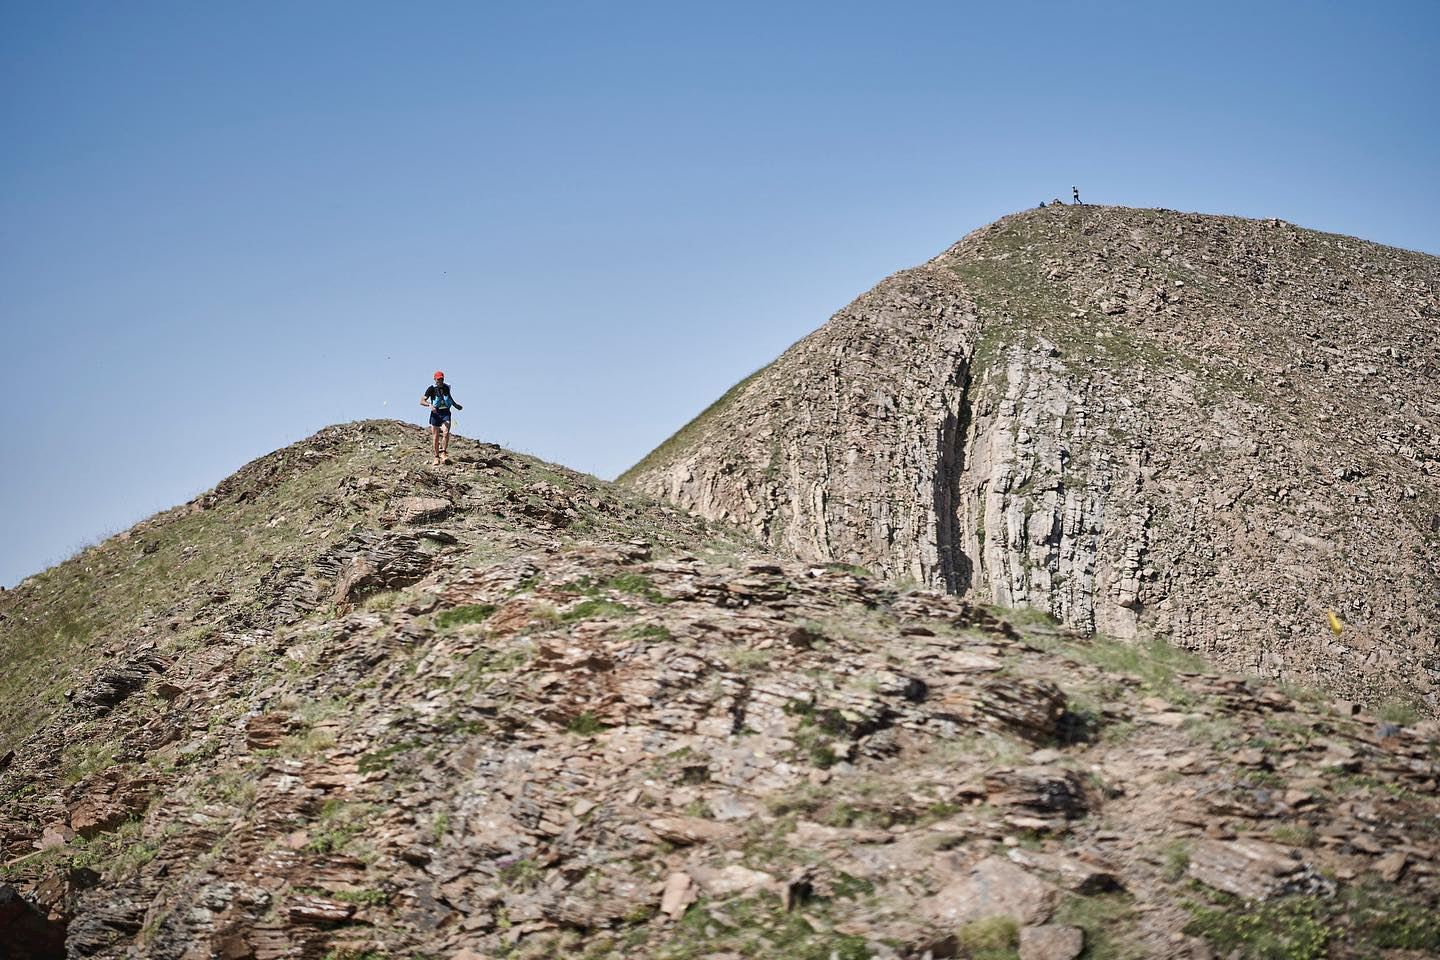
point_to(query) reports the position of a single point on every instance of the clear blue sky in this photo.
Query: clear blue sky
(224, 225)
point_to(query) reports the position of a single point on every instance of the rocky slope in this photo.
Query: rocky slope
(1147, 423)
(347, 706)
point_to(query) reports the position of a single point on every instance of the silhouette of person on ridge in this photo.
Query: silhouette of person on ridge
(437, 398)
(1075, 191)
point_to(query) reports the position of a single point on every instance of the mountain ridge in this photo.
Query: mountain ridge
(349, 706)
(505, 709)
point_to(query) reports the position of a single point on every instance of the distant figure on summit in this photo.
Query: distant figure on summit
(1075, 191)
(437, 398)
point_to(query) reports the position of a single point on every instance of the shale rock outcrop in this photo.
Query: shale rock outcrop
(1222, 432)
(310, 716)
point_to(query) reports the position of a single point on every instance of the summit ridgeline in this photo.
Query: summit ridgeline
(1219, 431)
(352, 705)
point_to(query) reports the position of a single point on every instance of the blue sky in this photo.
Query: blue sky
(224, 226)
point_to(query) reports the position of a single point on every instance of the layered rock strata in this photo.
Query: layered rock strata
(1219, 431)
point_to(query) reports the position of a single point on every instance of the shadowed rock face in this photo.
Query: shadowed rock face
(1142, 422)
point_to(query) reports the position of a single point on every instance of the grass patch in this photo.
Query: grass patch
(307, 744)
(1291, 928)
(993, 938)
(648, 631)
(1398, 711)
(850, 568)
(1175, 860)
(585, 724)
(1387, 922)
(1107, 921)
(817, 732)
(1155, 663)
(80, 760)
(1031, 617)
(748, 661)
(491, 660)
(692, 431)
(597, 607)
(757, 926)
(1367, 918)
(521, 875)
(1294, 835)
(804, 799)
(460, 616)
(636, 584)
(383, 758)
(339, 824)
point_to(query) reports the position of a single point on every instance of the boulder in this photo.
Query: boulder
(1051, 942)
(994, 887)
(1253, 869)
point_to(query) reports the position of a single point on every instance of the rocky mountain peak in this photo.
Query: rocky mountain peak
(1218, 431)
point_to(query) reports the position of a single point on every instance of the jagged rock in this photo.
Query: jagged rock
(416, 510)
(1031, 709)
(113, 684)
(94, 817)
(679, 893)
(104, 919)
(1252, 869)
(376, 561)
(1390, 867)
(1085, 873)
(593, 909)
(1051, 793)
(55, 835)
(112, 799)
(688, 830)
(267, 731)
(318, 910)
(25, 932)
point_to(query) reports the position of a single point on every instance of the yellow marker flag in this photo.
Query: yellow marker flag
(1336, 624)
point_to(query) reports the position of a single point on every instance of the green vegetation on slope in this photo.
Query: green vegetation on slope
(689, 433)
(227, 560)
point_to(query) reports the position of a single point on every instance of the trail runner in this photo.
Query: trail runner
(437, 398)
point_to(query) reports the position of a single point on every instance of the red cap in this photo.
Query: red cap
(439, 374)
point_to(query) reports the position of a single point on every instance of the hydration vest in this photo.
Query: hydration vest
(441, 400)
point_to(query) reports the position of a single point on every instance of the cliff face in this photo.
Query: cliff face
(1147, 423)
